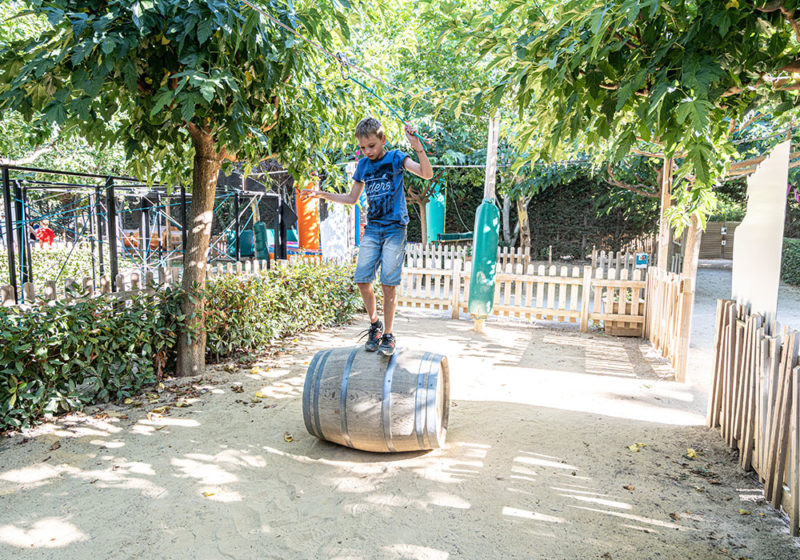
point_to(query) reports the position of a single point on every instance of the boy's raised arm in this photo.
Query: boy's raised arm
(423, 168)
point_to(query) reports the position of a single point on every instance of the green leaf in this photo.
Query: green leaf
(160, 100)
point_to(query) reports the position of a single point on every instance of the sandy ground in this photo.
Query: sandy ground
(537, 464)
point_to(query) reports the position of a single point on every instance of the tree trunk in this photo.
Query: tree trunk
(524, 225)
(207, 162)
(507, 219)
(423, 220)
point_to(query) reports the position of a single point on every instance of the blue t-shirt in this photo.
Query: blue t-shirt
(383, 185)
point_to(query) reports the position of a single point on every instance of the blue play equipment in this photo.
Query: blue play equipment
(434, 212)
(246, 243)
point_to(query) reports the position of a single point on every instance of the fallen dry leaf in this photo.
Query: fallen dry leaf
(629, 487)
(674, 516)
(237, 388)
(160, 410)
(636, 446)
(128, 401)
(691, 453)
(260, 395)
(743, 512)
(55, 446)
(287, 437)
(209, 494)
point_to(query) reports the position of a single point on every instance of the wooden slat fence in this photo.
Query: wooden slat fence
(554, 293)
(755, 401)
(620, 260)
(439, 255)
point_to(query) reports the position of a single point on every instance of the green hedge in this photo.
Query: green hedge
(790, 265)
(248, 312)
(64, 356)
(69, 354)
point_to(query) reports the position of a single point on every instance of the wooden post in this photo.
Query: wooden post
(491, 159)
(689, 276)
(585, 296)
(663, 223)
(456, 296)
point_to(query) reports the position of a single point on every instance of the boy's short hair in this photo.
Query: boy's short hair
(368, 127)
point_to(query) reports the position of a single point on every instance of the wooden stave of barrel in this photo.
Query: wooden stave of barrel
(386, 400)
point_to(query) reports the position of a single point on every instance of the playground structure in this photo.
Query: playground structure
(144, 228)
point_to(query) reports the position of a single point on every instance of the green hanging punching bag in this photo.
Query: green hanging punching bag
(484, 259)
(262, 247)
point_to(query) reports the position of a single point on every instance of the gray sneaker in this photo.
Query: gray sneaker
(387, 345)
(373, 336)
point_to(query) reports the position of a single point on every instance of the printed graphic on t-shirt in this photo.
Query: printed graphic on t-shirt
(379, 187)
(383, 187)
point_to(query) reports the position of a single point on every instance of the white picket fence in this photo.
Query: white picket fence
(552, 293)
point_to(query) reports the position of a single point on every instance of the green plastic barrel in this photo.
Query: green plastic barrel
(484, 259)
(262, 246)
(434, 214)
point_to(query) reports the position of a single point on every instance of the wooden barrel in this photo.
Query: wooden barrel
(367, 401)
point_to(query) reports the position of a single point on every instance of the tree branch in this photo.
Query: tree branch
(637, 188)
(787, 14)
(30, 158)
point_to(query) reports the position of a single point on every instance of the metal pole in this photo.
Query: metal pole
(21, 233)
(158, 225)
(111, 216)
(28, 253)
(99, 219)
(238, 226)
(183, 220)
(90, 217)
(144, 231)
(12, 272)
(278, 228)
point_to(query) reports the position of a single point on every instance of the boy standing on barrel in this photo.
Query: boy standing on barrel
(380, 175)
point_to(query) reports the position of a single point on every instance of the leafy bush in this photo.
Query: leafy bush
(790, 264)
(60, 357)
(248, 312)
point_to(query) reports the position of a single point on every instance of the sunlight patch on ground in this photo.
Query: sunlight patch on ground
(602, 357)
(49, 532)
(30, 475)
(116, 444)
(599, 501)
(614, 396)
(543, 463)
(535, 516)
(205, 473)
(639, 518)
(415, 552)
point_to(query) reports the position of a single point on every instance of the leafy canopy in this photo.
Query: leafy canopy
(676, 75)
(156, 65)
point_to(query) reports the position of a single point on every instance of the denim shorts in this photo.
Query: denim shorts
(384, 246)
